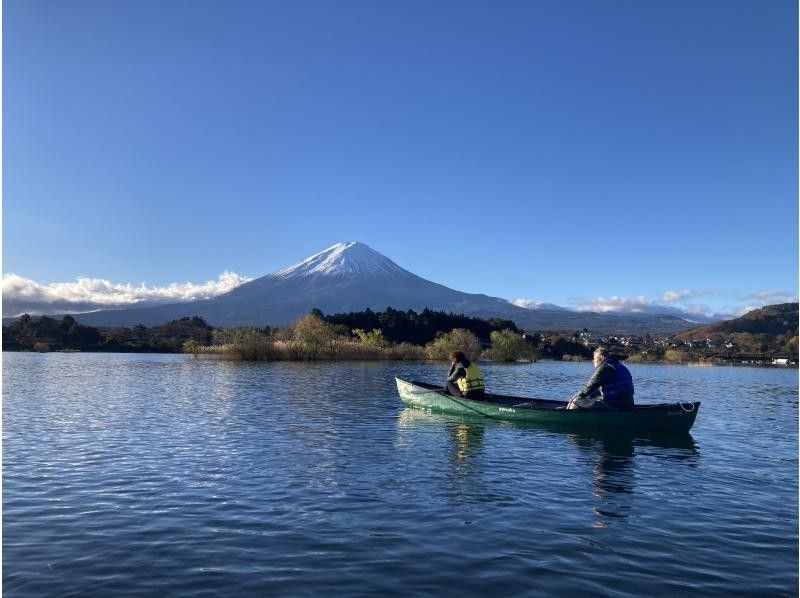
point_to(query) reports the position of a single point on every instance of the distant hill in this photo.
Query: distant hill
(351, 277)
(774, 320)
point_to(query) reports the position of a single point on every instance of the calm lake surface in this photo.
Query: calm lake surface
(167, 475)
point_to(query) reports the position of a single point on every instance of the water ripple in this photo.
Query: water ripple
(131, 475)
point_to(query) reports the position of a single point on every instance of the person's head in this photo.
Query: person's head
(600, 355)
(457, 356)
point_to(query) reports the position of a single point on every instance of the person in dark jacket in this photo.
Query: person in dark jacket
(464, 378)
(610, 387)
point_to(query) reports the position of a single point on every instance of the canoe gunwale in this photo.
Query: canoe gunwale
(534, 403)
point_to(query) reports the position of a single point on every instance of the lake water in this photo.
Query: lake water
(167, 475)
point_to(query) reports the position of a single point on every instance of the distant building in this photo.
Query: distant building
(631, 341)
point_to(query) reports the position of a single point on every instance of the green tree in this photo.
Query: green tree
(509, 346)
(248, 343)
(314, 334)
(535, 339)
(373, 338)
(459, 339)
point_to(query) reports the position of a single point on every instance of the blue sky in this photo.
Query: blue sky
(557, 151)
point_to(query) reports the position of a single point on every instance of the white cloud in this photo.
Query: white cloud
(684, 294)
(23, 295)
(758, 299)
(771, 297)
(615, 303)
(526, 303)
(531, 304)
(641, 305)
(697, 309)
(675, 303)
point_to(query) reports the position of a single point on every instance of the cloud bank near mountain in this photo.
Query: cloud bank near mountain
(762, 298)
(23, 295)
(533, 304)
(677, 303)
(641, 305)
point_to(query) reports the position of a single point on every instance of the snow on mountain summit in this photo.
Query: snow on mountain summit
(343, 259)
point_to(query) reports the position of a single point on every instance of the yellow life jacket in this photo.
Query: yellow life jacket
(472, 381)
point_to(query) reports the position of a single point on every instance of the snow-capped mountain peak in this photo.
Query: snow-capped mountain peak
(341, 259)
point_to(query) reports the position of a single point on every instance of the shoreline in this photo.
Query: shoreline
(222, 357)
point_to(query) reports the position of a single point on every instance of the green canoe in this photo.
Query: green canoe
(664, 417)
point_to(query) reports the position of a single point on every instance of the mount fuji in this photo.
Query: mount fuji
(352, 277)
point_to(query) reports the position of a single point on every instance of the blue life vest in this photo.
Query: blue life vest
(618, 393)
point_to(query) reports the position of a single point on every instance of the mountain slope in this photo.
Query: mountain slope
(345, 277)
(771, 319)
(352, 277)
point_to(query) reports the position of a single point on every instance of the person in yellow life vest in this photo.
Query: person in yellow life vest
(464, 379)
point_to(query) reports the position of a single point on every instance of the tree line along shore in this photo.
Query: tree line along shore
(387, 335)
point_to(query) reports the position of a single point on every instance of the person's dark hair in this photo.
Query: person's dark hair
(458, 356)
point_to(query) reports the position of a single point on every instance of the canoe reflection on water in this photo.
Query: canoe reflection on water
(612, 453)
(467, 440)
(465, 435)
(614, 466)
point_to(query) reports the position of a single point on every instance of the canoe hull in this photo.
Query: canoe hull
(674, 417)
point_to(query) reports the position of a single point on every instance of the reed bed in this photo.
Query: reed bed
(253, 349)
